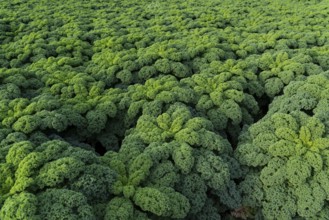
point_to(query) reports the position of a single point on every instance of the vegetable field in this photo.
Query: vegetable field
(173, 109)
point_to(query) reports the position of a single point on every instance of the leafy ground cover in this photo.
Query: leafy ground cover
(136, 110)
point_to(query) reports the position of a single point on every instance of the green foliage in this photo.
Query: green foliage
(293, 147)
(57, 203)
(21, 206)
(164, 110)
(53, 177)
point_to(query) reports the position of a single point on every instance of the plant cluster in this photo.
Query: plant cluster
(136, 110)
